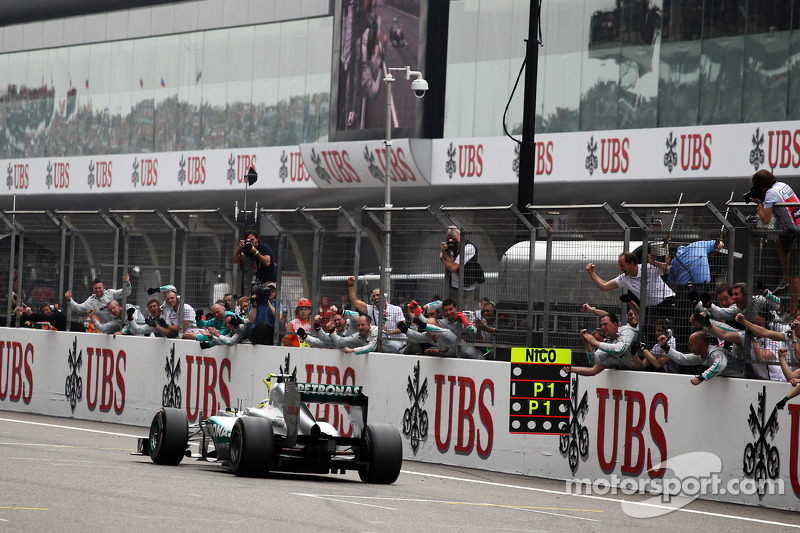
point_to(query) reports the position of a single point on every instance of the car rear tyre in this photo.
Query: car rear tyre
(169, 436)
(384, 453)
(251, 446)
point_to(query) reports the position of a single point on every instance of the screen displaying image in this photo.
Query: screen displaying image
(374, 36)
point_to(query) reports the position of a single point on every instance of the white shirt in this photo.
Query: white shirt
(469, 253)
(657, 290)
(789, 218)
(392, 316)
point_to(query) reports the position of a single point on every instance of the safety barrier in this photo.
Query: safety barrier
(622, 431)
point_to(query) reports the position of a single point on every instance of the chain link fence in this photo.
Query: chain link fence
(534, 263)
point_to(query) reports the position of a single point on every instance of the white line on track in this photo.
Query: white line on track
(564, 493)
(337, 498)
(68, 427)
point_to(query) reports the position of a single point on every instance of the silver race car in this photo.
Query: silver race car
(281, 435)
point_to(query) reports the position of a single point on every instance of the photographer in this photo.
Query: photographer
(48, 317)
(473, 272)
(262, 315)
(260, 256)
(766, 191)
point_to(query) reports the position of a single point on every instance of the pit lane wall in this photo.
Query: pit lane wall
(624, 426)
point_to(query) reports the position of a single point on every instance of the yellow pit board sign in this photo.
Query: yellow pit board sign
(540, 392)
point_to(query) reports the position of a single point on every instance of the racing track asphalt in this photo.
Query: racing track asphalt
(68, 475)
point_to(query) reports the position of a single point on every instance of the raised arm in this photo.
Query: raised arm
(598, 281)
(354, 299)
(760, 331)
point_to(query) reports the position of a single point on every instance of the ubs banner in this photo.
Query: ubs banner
(723, 440)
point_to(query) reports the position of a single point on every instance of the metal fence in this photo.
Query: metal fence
(534, 262)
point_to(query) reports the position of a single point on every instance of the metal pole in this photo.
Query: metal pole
(527, 153)
(387, 203)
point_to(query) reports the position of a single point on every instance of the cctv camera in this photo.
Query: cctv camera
(419, 86)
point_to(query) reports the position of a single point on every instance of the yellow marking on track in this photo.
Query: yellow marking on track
(24, 508)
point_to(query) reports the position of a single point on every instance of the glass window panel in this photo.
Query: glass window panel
(459, 106)
(724, 18)
(59, 73)
(494, 40)
(766, 76)
(142, 88)
(119, 95)
(239, 90)
(793, 108)
(518, 30)
(98, 85)
(318, 80)
(683, 20)
(213, 84)
(39, 104)
(190, 74)
(679, 84)
(795, 18)
(166, 77)
(4, 97)
(638, 73)
(266, 42)
(17, 106)
(768, 16)
(721, 80)
(558, 101)
(291, 83)
(600, 68)
(78, 109)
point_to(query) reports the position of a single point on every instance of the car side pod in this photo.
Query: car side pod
(384, 454)
(169, 437)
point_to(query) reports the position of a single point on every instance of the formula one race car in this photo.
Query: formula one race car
(281, 435)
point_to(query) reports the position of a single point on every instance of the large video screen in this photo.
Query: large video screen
(372, 36)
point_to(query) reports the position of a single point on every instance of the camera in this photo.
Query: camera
(452, 246)
(420, 87)
(260, 294)
(753, 194)
(248, 246)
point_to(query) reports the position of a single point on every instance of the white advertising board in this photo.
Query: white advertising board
(203, 170)
(702, 152)
(625, 427)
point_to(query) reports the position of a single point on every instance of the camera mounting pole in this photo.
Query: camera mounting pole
(252, 177)
(419, 86)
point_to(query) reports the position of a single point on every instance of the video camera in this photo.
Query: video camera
(452, 246)
(260, 295)
(753, 194)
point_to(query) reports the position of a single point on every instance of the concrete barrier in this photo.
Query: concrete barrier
(626, 429)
